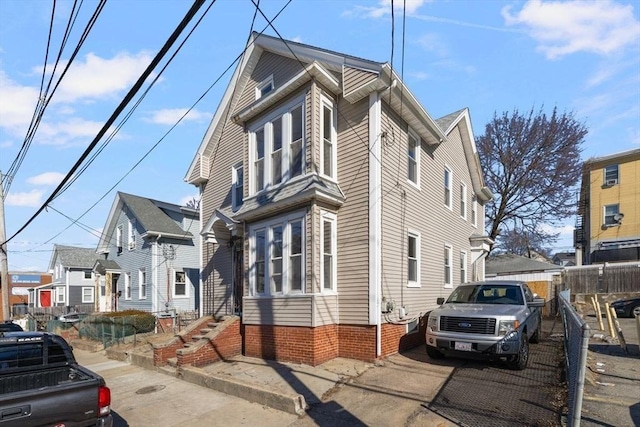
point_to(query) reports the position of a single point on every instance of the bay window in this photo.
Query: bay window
(277, 256)
(277, 147)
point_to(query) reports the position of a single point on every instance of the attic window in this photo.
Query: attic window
(264, 87)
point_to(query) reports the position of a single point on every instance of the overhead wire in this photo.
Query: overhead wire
(136, 87)
(43, 100)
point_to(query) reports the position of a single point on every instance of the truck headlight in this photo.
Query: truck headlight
(432, 323)
(507, 326)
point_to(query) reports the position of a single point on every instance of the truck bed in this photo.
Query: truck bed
(34, 379)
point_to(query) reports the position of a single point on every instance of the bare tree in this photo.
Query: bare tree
(532, 164)
(193, 203)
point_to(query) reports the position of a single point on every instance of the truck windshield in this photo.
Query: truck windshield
(487, 294)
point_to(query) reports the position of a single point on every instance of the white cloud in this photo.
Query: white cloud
(47, 178)
(433, 43)
(187, 199)
(17, 104)
(562, 28)
(419, 75)
(96, 77)
(31, 199)
(73, 131)
(384, 8)
(171, 116)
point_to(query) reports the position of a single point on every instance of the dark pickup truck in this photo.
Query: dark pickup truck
(41, 384)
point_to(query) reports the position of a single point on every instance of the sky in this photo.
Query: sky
(491, 56)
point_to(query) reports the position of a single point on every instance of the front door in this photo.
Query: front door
(45, 298)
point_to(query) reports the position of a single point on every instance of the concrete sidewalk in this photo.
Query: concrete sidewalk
(397, 389)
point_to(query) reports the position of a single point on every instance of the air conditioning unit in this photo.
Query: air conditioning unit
(611, 182)
(119, 249)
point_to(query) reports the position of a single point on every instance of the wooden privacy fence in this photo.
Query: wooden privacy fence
(609, 278)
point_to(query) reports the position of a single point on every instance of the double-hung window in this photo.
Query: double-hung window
(119, 238)
(413, 159)
(277, 148)
(328, 153)
(611, 175)
(60, 294)
(413, 259)
(277, 256)
(474, 210)
(237, 186)
(87, 295)
(264, 87)
(448, 179)
(463, 266)
(611, 215)
(127, 286)
(132, 234)
(142, 284)
(180, 284)
(328, 249)
(463, 201)
(448, 267)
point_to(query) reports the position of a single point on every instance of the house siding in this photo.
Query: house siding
(353, 216)
(422, 210)
(355, 78)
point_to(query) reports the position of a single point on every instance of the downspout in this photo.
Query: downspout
(201, 256)
(375, 218)
(154, 258)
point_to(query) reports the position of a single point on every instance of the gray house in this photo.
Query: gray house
(335, 209)
(148, 256)
(73, 280)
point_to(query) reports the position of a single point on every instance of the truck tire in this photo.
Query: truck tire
(434, 353)
(519, 361)
(535, 338)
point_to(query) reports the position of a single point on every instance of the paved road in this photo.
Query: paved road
(142, 398)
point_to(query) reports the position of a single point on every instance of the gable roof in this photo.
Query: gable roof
(150, 214)
(73, 257)
(511, 263)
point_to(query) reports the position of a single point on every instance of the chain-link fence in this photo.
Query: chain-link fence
(576, 345)
(111, 330)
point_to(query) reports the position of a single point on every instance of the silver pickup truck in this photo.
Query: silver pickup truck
(497, 318)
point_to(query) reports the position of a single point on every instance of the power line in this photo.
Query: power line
(136, 87)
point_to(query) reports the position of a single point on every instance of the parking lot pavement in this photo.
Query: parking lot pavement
(612, 384)
(141, 397)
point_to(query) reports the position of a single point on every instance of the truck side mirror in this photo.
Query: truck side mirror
(440, 301)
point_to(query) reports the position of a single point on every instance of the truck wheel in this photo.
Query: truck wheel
(519, 361)
(535, 338)
(433, 353)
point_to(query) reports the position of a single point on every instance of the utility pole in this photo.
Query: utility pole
(4, 266)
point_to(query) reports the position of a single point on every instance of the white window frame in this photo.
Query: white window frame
(463, 266)
(237, 186)
(330, 218)
(266, 226)
(142, 281)
(613, 223)
(474, 210)
(415, 235)
(174, 282)
(60, 295)
(127, 286)
(448, 188)
(611, 181)
(332, 140)
(84, 274)
(463, 201)
(266, 124)
(131, 236)
(119, 238)
(262, 85)
(91, 291)
(412, 137)
(448, 266)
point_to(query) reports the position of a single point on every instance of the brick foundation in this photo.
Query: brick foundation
(227, 343)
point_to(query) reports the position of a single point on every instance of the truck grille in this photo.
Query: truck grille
(468, 325)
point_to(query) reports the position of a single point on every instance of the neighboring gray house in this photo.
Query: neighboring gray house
(73, 280)
(148, 256)
(335, 209)
(565, 259)
(516, 267)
